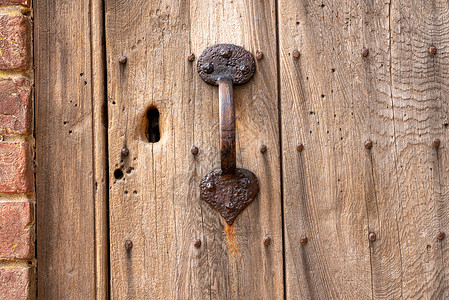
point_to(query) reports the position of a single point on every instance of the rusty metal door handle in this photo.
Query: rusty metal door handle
(229, 189)
(227, 126)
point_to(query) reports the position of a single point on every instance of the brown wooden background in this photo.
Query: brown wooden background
(335, 192)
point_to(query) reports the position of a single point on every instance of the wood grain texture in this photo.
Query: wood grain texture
(336, 191)
(157, 203)
(420, 106)
(67, 153)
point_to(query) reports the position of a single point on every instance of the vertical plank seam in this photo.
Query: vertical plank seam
(94, 177)
(281, 175)
(98, 64)
(106, 121)
(394, 141)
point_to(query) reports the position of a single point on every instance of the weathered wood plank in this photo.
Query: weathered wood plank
(398, 189)
(336, 191)
(68, 153)
(157, 204)
(419, 100)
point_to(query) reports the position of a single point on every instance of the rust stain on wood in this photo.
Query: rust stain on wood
(231, 243)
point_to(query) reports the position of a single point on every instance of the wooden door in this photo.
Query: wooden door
(155, 198)
(339, 189)
(349, 98)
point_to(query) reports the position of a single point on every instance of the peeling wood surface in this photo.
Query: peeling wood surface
(157, 203)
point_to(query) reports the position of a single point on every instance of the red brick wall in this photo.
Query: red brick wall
(17, 230)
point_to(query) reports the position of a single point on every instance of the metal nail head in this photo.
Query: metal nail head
(432, 50)
(208, 68)
(194, 150)
(122, 59)
(368, 144)
(267, 241)
(365, 52)
(436, 143)
(210, 186)
(124, 151)
(226, 53)
(296, 54)
(128, 245)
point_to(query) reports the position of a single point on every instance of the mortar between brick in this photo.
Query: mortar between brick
(14, 10)
(17, 198)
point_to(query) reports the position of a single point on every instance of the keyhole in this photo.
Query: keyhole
(153, 134)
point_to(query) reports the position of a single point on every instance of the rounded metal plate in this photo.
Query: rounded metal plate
(226, 61)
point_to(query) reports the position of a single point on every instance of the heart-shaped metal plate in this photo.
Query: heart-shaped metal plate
(229, 193)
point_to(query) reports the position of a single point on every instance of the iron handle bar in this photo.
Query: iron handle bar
(227, 125)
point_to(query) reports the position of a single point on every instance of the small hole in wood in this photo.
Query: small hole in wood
(118, 174)
(152, 131)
